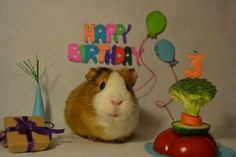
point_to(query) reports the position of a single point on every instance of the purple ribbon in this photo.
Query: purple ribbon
(25, 126)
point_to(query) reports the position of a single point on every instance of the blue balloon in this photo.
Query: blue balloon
(165, 51)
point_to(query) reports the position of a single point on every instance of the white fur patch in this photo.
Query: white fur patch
(128, 112)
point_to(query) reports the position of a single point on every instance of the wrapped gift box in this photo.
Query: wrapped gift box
(26, 134)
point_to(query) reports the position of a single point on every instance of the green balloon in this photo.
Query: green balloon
(156, 23)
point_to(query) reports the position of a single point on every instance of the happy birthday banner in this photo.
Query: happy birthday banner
(98, 48)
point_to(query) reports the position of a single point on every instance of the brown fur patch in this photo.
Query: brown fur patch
(79, 111)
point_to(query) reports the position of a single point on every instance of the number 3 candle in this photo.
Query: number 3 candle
(197, 68)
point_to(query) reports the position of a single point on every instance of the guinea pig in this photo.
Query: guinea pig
(104, 107)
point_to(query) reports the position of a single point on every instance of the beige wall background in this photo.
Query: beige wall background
(46, 27)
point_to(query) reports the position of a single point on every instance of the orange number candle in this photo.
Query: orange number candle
(197, 68)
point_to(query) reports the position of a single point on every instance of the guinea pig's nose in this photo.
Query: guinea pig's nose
(116, 102)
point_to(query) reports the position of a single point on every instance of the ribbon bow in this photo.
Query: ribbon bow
(25, 126)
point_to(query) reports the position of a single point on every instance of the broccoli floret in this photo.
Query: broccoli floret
(193, 94)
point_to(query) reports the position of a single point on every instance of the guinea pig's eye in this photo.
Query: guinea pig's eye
(102, 85)
(127, 87)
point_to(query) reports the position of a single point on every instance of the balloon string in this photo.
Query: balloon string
(146, 66)
(161, 104)
(174, 73)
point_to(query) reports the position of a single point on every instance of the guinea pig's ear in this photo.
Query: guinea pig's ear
(134, 75)
(130, 76)
(91, 74)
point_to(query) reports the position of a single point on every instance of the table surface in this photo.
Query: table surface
(69, 144)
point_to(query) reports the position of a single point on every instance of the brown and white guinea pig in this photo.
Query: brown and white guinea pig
(104, 107)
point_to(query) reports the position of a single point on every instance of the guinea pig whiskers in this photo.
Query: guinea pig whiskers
(126, 99)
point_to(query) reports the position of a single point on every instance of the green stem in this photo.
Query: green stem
(20, 65)
(37, 66)
(193, 109)
(29, 69)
